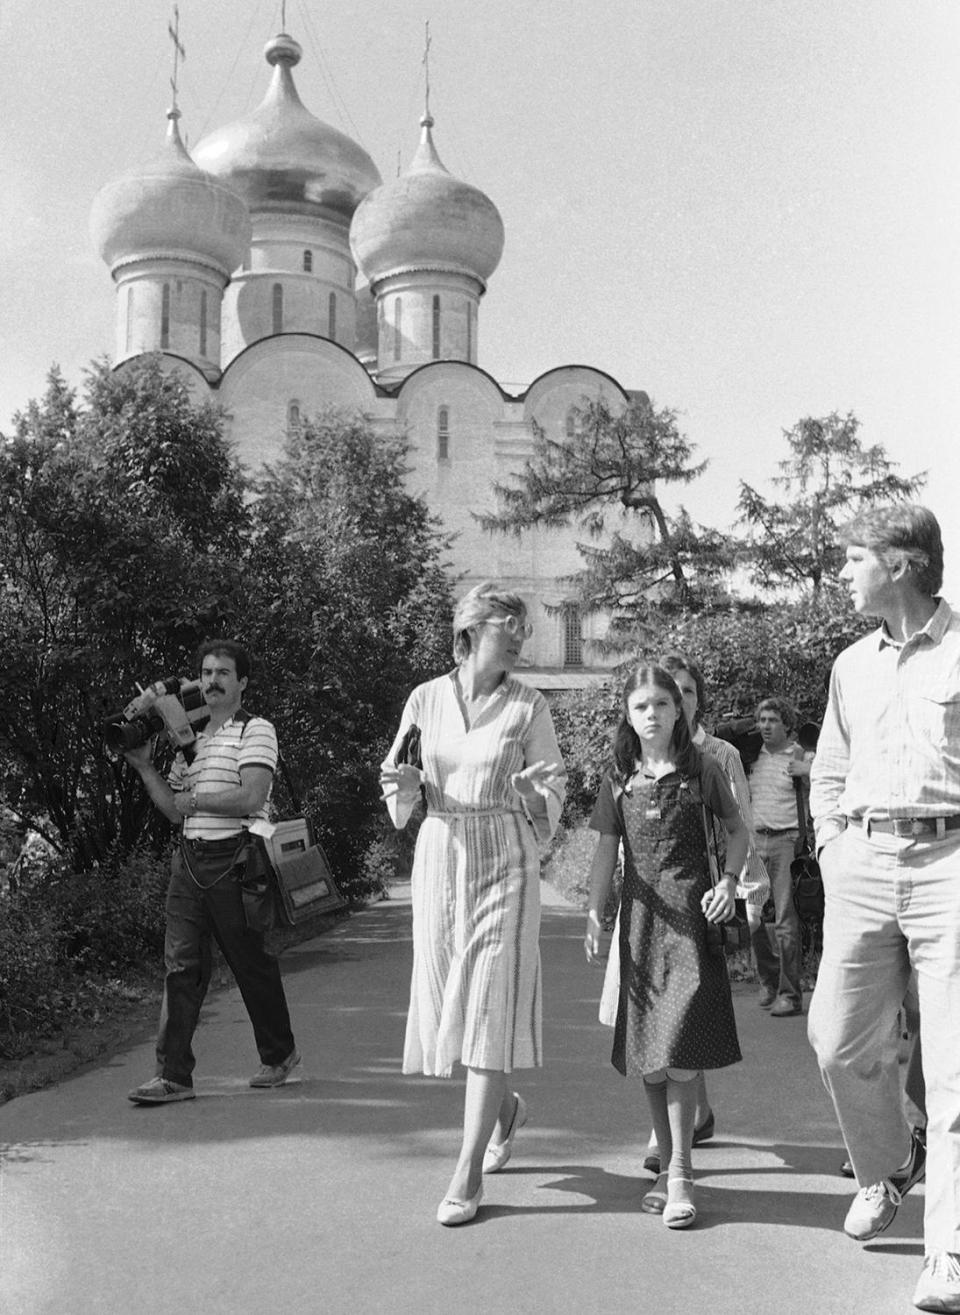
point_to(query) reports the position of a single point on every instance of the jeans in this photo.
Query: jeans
(193, 916)
(892, 904)
(779, 968)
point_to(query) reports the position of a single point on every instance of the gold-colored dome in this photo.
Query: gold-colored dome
(283, 158)
(172, 209)
(427, 219)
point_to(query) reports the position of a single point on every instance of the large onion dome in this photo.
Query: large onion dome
(281, 157)
(170, 209)
(427, 220)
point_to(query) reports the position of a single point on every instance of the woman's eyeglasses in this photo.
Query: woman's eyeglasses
(512, 625)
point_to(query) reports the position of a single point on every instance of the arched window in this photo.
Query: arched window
(397, 325)
(572, 637)
(443, 433)
(165, 316)
(332, 315)
(278, 308)
(293, 416)
(308, 262)
(436, 328)
(203, 323)
(571, 423)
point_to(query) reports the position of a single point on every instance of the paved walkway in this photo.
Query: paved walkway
(320, 1196)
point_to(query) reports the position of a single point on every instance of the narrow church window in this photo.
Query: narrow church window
(165, 316)
(293, 417)
(308, 262)
(397, 320)
(443, 434)
(571, 427)
(436, 328)
(203, 323)
(278, 308)
(572, 637)
(332, 315)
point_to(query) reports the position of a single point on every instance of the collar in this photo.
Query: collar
(934, 630)
(698, 736)
(789, 747)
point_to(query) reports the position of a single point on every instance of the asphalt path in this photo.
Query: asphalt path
(320, 1196)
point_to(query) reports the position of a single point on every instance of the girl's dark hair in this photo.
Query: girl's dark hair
(626, 743)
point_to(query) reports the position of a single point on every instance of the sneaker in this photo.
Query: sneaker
(160, 1091)
(874, 1208)
(938, 1287)
(785, 1006)
(275, 1075)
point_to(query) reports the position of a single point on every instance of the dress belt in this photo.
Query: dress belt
(475, 812)
(774, 830)
(908, 826)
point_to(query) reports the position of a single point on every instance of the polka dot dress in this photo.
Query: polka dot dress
(675, 1007)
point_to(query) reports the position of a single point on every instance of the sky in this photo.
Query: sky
(748, 208)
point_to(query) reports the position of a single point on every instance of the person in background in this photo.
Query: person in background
(215, 799)
(494, 784)
(774, 799)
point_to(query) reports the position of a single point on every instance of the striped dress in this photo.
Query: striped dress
(475, 986)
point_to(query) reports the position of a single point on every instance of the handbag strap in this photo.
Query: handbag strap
(244, 716)
(708, 831)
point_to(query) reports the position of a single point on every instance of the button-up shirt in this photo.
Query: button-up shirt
(772, 791)
(890, 742)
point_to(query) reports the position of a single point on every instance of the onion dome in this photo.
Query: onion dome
(427, 220)
(170, 209)
(282, 158)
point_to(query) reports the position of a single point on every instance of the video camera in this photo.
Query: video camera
(174, 707)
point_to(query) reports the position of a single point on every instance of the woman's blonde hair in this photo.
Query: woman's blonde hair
(481, 603)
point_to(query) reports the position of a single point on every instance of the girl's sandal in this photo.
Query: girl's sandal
(655, 1201)
(679, 1213)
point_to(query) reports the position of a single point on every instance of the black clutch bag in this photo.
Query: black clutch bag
(408, 754)
(731, 936)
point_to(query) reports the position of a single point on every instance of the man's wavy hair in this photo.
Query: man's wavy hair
(627, 750)
(902, 529)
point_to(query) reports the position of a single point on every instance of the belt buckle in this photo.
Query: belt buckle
(910, 826)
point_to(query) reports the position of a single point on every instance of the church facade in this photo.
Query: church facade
(281, 278)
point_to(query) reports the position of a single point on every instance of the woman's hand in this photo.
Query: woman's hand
(591, 939)
(404, 780)
(718, 903)
(533, 781)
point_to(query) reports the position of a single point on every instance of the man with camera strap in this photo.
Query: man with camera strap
(219, 883)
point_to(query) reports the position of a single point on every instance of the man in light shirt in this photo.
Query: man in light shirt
(886, 805)
(773, 798)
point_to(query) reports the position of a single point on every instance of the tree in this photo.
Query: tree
(605, 479)
(827, 478)
(348, 607)
(122, 524)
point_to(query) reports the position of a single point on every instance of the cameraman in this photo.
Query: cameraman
(215, 799)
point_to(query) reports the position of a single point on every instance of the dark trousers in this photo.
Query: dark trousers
(194, 915)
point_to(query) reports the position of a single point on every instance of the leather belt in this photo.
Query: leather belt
(909, 827)
(223, 845)
(774, 830)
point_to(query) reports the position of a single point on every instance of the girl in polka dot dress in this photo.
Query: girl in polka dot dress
(675, 1013)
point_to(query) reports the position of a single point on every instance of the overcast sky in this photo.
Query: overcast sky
(749, 208)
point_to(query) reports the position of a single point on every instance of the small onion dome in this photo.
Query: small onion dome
(170, 209)
(282, 158)
(427, 219)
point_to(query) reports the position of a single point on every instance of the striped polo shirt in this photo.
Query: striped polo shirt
(220, 755)
(773, 795)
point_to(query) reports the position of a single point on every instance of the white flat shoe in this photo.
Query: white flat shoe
(497, 1155)
(450, 1211)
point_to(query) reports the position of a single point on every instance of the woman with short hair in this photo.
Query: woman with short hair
(494, 784)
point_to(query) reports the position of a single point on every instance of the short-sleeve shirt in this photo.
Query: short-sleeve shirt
(220, 756)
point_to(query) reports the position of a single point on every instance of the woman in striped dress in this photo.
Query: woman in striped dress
(494, 786)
